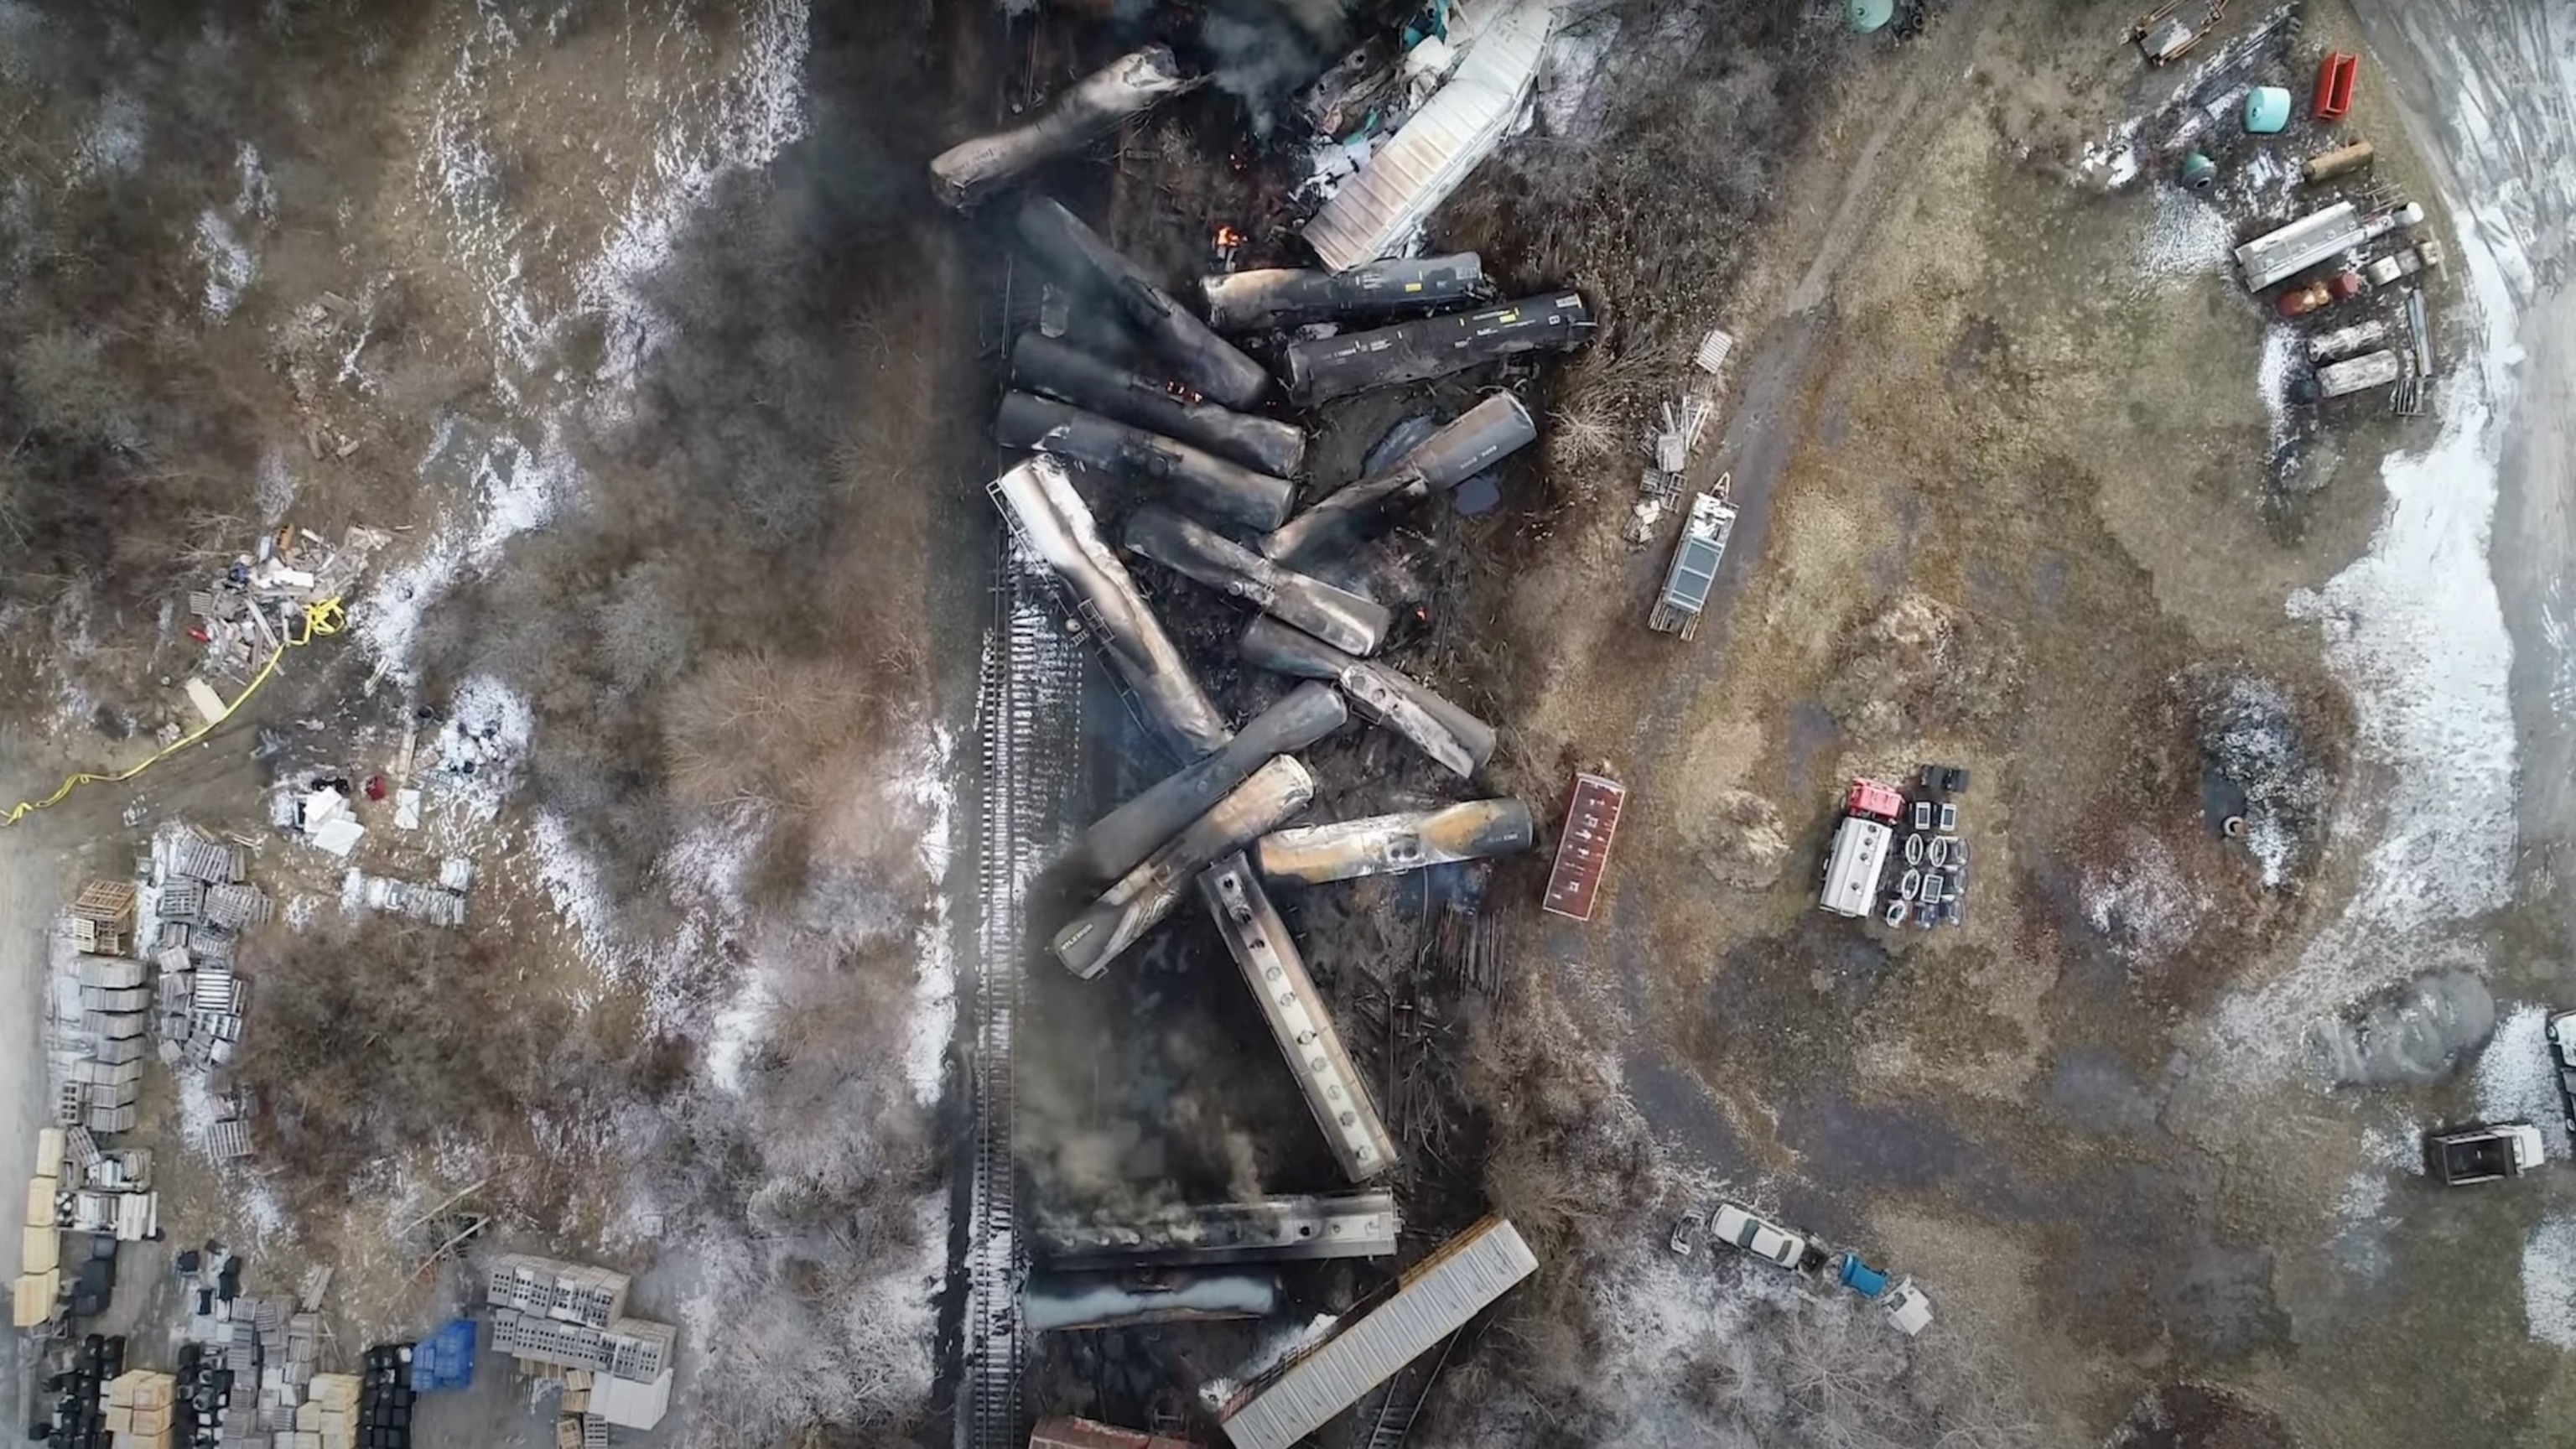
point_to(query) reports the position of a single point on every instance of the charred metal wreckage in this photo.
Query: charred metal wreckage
(1166, 425)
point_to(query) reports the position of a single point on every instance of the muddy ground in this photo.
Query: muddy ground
(2007, 507)
(2011, 501)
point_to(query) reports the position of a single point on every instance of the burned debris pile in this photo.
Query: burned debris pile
(1158, 448)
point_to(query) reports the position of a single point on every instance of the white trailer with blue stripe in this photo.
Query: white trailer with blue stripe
(1694, 569)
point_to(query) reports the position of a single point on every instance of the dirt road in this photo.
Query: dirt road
(27, 900)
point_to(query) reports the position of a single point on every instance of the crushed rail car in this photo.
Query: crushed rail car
(1051, 518)
(1388, 844)
(1082, 113)
(1343, 619)
(1117, 841)
(1043, 364)
(1298, 1228)
(1458, 741)
(1322, 369)
(1144, 896)
(1468, 444)
(1326, 1077)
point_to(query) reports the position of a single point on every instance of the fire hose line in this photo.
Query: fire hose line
(322, 619)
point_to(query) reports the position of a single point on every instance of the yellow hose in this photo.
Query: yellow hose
(320, 619)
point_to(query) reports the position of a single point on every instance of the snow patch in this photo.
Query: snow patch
(2417, 632)
(1275, 1350)
(482, 747)
(231, 265)
(258, 198)
(112, 144)
(2185, 237)
(928, 787)
(511, 488)
(759, 112)
(2272, 378)
(578, 887)
(2144, 906)
(2549, 1281)
(2115, 160)
(2518, 1078)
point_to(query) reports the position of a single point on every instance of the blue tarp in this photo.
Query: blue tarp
(445, 1359)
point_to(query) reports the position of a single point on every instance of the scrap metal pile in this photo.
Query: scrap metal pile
(2340, 263)
(1173, 437)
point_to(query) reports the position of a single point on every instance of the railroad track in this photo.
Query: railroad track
(1028, 716)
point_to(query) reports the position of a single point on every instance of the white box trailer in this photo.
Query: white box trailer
(1852, 868)
(2319, 236)
(2371, 369)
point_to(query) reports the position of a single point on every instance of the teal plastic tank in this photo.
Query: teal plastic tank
(2267, 110)
(1868, 15)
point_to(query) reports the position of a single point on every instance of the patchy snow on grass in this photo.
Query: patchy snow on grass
(891, 1323)
(231, 265)
(507, 487)
(2417, 631)
(2518, 1077)
(757, 110)
(927, 785)
(2549, 1281)
(2114, 160)
(481, 749)
(2185, 237)
(738, 120)
(2273, 376)
(112, 143)
(577, 885)
(2144, 906)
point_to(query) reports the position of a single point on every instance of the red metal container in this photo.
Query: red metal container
(1875, 800)
(2335, 80)
(1583, 850)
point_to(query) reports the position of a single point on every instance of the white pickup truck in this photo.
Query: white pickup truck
(2487, 1152)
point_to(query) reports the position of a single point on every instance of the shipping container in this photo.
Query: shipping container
(1436, 1299)
(1583, 847)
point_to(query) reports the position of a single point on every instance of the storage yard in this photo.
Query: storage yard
(1269, 724)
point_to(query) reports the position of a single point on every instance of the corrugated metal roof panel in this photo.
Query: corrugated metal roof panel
(1431, 153)
(1453, 1285)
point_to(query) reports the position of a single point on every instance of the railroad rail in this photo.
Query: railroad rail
(1028, 714)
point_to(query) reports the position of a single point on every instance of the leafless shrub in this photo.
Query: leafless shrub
(1582, 433)
(1532, 1188)
(766, 728)
(63, 386)
(376, 1036)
